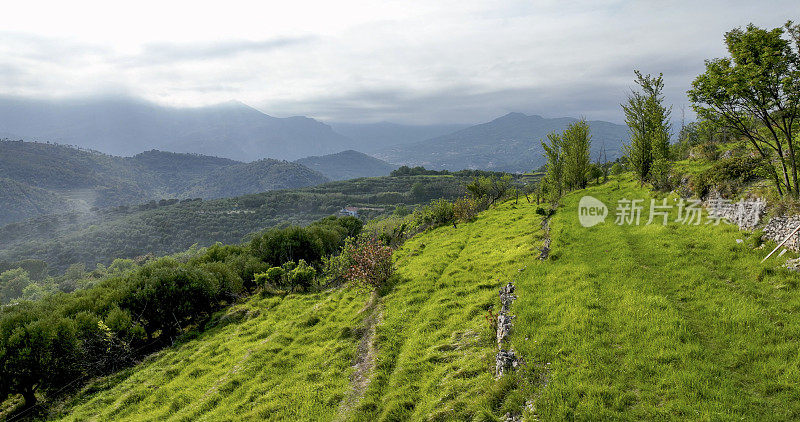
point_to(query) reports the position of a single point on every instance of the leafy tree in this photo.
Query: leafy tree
(489, 188)
(552, 183)
(12, 284)
(756, 93)
(575, 143)
(648, 124)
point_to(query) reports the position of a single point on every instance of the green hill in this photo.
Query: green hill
(85, 179)
(622, 322)
(347, 165)
(169, 226)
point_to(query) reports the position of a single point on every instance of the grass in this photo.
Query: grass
(291, 358)
(657, 322)
(645, 322)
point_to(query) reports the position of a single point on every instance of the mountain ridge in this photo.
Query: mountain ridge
(511, 142)
(81, 179)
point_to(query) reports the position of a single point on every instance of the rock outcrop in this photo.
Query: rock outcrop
(505, 360)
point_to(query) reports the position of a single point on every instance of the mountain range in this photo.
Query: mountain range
(509, 143)
(40, 178)
(122, 126)
(233, 130)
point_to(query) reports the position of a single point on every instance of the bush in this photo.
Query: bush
(465, 209)
(438, 213)
(302, 276)
(728, 176)
(369, 264)
(661, 174)
(272, 277)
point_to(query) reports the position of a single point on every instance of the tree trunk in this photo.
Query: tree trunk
(30, 398)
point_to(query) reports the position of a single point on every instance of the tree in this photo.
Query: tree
(554, 169)
(489, 188)
(648, 125)
(576, 141)
(755, 93)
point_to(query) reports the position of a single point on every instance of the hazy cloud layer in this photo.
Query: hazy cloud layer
(423, 62)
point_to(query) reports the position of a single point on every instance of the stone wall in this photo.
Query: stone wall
(777, 228)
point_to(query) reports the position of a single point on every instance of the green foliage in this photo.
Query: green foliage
(661, 174)
(756, 94)
(274, 276)
(489, 188)
(552, 184)
(727, 177)
(302, 276)
(575, 145)
(128, 233)
(466, 209)
(12, 284)
(648, 124)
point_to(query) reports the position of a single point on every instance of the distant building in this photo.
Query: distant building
(348, 211)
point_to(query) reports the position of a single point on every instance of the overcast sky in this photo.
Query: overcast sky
(405, 61)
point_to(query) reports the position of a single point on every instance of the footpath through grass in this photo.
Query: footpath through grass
(657, 322)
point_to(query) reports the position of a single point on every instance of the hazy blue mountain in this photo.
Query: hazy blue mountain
(373, 137)
(40, 178)
(508, 143)
(124, 126)
(347, 165)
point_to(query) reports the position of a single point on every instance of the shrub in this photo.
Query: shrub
(465, 209)
(370, 264)
(728, 176)
(302, 276)
(273, 277)
(661, 174)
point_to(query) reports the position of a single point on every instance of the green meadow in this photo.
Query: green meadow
(623, 322)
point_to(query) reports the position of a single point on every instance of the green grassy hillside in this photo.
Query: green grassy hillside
(623, 322)
(292, 358)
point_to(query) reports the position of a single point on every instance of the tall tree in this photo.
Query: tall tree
(648, 124)
(575, 150)
(554, 169)
(756, 92)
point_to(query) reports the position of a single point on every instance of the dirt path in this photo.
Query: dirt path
(364, 361)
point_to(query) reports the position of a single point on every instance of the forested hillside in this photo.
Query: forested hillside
(171, 226)
(82, 179)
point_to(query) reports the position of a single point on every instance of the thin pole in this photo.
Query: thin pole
(781, 244)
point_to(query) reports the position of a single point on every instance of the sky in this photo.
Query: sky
(413, 62)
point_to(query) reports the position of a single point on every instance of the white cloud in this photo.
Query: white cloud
(416, 61)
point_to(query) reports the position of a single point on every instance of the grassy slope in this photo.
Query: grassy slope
(434, 345)
(631, 323)
(655, 322)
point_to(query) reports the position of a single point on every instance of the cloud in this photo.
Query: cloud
(410, 61)
(158, 53)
